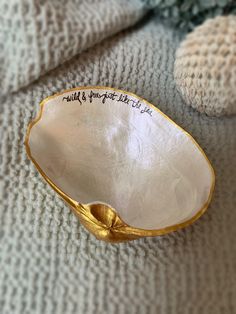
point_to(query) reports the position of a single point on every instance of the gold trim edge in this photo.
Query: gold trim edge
(101, 220)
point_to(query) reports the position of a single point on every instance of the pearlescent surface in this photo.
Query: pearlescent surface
(106, 146)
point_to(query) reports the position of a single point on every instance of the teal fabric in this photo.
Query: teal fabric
(48, 262)
(186, 14)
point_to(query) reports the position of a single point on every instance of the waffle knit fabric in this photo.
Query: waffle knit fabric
(48, 262)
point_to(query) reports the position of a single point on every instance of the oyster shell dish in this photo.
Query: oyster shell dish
(124, 167)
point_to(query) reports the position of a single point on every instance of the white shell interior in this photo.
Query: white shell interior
(102, 150)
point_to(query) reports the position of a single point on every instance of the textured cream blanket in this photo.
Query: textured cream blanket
(48, 262)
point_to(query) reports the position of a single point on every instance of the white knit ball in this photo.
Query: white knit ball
(205, 67)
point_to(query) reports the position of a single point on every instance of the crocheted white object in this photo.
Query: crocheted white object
(205, 67)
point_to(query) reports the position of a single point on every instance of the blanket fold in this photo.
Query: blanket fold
(36, 36)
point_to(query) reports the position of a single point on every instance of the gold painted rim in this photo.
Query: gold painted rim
(126, 231)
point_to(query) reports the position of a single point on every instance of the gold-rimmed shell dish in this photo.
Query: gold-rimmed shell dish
(124, 167)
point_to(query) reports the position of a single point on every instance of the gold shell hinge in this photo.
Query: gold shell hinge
(102, 221)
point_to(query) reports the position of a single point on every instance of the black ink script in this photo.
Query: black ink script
(75, 96)
(129, 101)
(102, 96)
(147, 110)
(135, 104)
